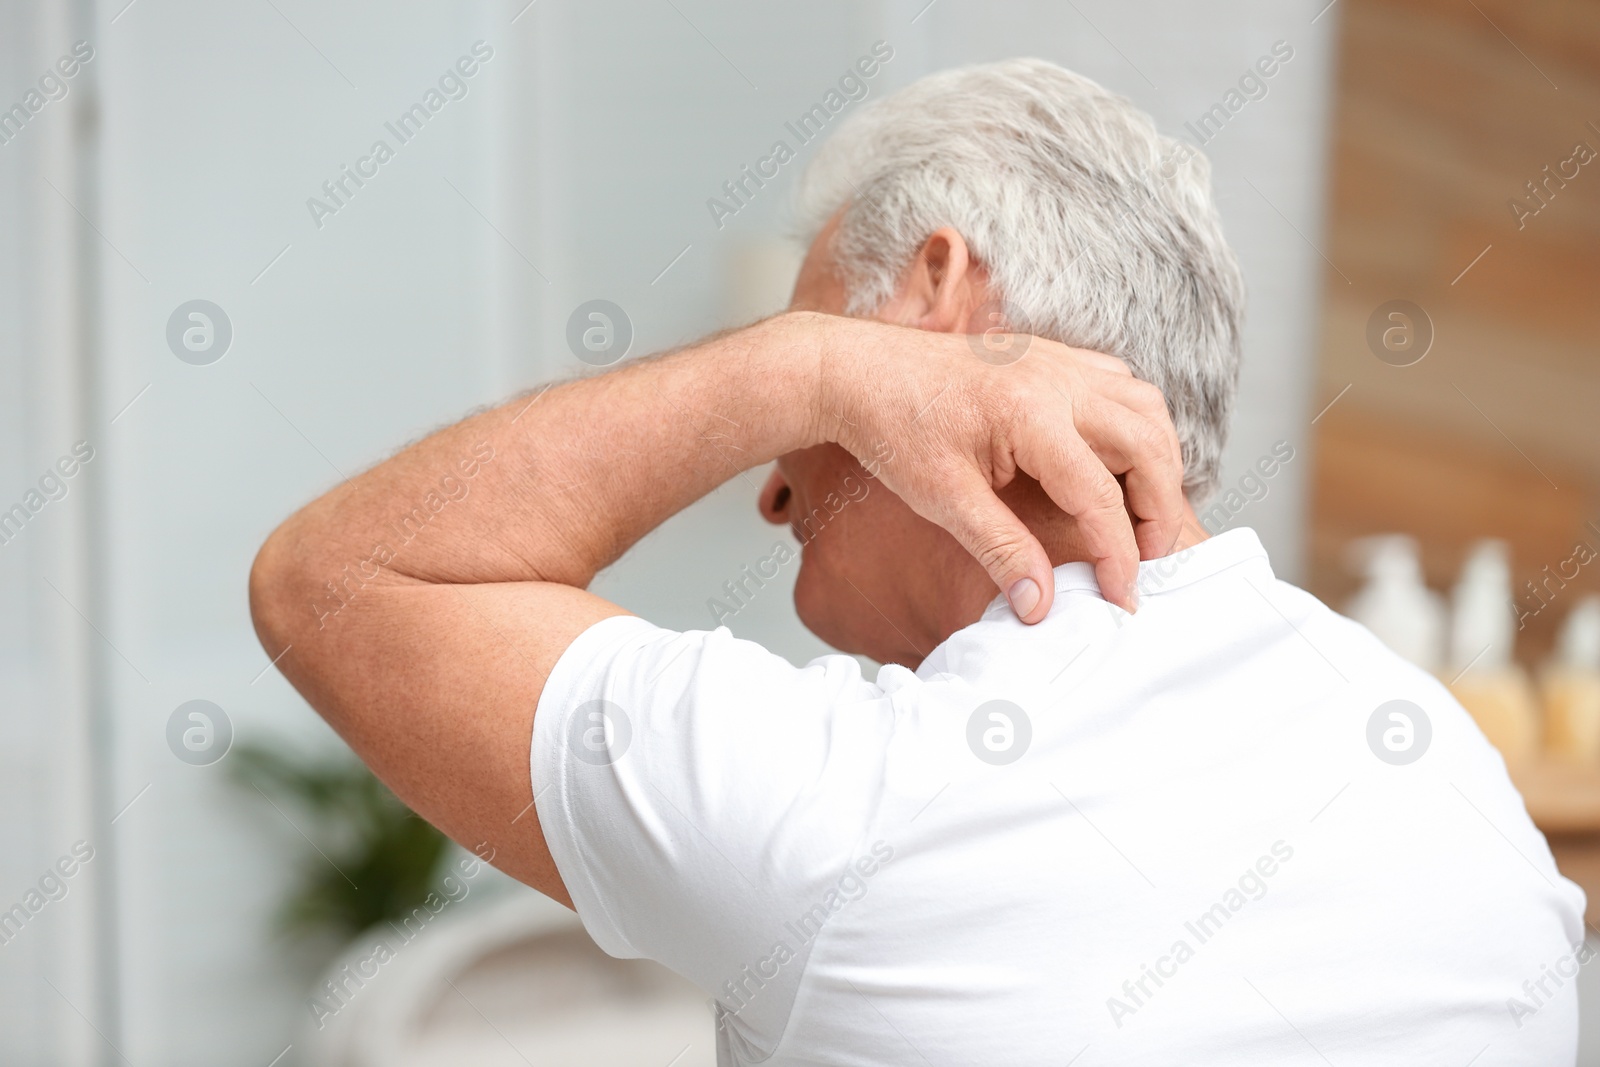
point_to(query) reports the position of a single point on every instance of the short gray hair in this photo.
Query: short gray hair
(1097, 231)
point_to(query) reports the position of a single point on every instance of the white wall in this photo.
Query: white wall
(581, 162)
(49, 977)
(220, 121)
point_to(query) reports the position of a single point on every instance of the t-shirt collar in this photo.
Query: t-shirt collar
(1156, 576)
(998, 641)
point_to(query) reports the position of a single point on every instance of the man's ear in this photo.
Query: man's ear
(942, 287)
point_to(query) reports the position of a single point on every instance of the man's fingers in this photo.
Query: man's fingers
(999, 541)
(1150, 454)
(1080, 484)
(1147, 453)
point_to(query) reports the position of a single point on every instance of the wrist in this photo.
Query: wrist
(808, 362)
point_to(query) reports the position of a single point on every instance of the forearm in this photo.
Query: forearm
(550, 489)
(553, 487)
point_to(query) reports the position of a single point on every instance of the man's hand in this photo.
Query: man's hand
(1074, 420)
(421, 606)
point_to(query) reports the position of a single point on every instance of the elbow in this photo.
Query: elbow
(280, 600)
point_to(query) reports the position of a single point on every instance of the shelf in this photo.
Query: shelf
(1561, 798)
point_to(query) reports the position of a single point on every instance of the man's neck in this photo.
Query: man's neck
(1063, 543)
(963, 600)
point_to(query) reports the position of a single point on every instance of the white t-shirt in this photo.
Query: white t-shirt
(1201, 834)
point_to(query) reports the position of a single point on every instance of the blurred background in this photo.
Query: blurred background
(217, 298)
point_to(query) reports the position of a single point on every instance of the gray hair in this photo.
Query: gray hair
(1096, 230)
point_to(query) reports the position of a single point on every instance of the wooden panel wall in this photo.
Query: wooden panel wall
(1445, 110)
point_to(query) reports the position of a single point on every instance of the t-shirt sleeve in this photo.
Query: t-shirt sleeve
(697, 792)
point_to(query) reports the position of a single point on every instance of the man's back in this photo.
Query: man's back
(1161, 837)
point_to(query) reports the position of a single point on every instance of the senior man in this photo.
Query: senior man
(1089, 810)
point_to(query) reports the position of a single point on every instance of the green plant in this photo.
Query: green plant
(371, 859)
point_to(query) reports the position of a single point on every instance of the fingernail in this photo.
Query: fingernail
(1133, 597)
(1024, 596)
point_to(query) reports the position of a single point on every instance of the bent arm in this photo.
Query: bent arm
(580, 471)
(424, 602)
(421, 606)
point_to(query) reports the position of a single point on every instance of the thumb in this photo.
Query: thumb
(1002, 545)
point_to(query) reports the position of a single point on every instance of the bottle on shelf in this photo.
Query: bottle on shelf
(1483, 675)
(1571, 687)
(1395, 604)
